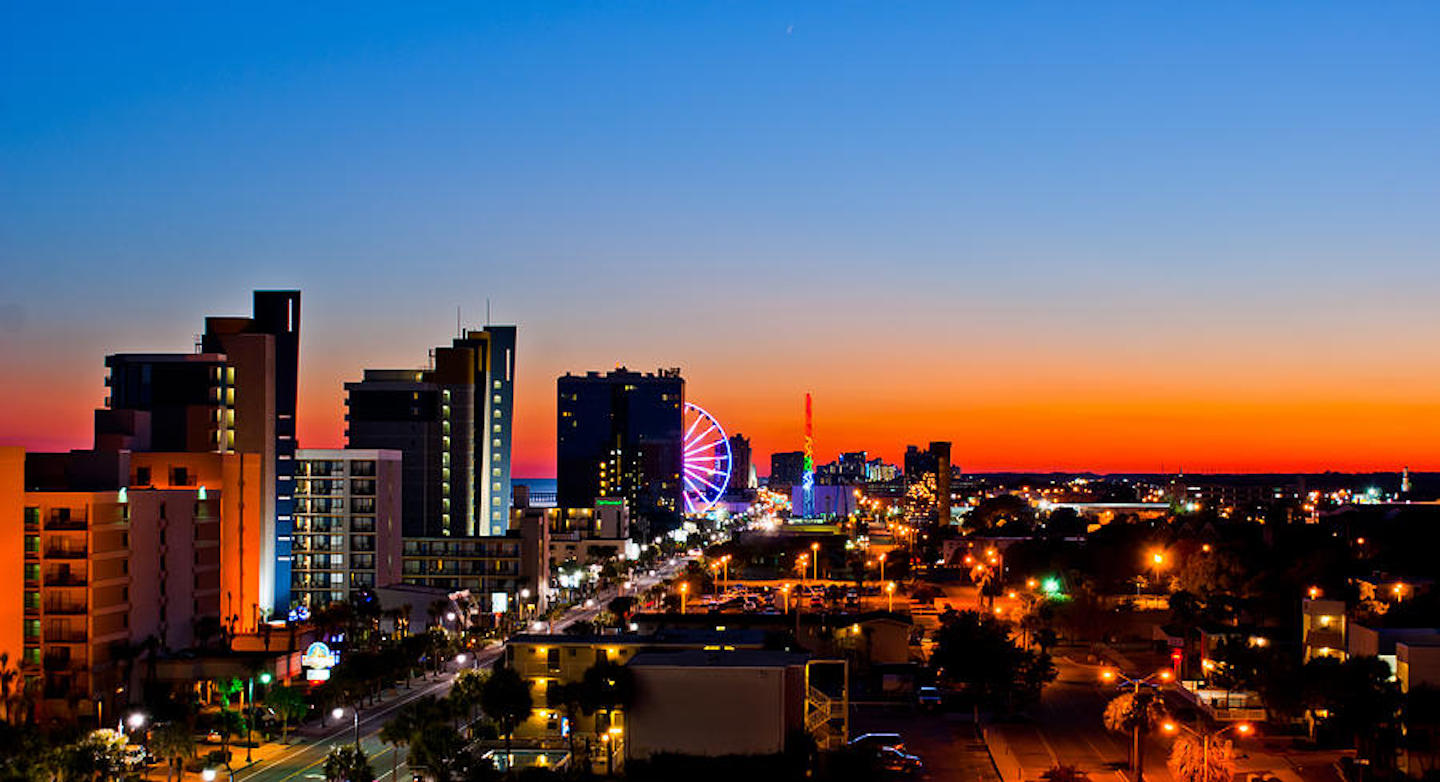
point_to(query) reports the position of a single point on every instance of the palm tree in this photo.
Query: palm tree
(1192, 761)
(173, 743)
(465, 692)
(1136, 714)
(9, 691)
(347, 763)
(290, 704)
(397, 733)
(506, 699)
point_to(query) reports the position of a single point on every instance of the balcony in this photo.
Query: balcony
(76, 608)
(65, 635)
(1318, 637)
(66, 552)
(60, 662)
(58, 522)
(65, 580)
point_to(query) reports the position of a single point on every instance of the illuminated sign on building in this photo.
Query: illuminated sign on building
(317, 661)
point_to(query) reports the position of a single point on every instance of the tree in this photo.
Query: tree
(397, 733)
(173, 743)
(566, 696)
(975, 650)
(100, 755)
(1135, 713)
(347, 763)
(290, 704)
(620, 608)
(1362, 704)
(506, 699)
(466, 691)
(1193, 760)
(1422, 727)
(229, 723)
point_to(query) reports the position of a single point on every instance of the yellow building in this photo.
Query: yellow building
(545, 661)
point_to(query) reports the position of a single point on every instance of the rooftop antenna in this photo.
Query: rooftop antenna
(487, 312)
(458, 332)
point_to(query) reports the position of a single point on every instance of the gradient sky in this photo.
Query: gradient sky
(1068, 235)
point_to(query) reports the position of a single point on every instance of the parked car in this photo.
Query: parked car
(874, 742)
(898, 762)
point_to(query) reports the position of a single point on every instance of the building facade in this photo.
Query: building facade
(100, 576)
(515, 566)
(452, 424)
(619, 436)
(347, 524)
(236, 394)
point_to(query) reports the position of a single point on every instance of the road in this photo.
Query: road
(306, 761)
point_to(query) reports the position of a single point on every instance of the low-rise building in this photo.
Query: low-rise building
(715, 702)
(515, 566)
(1323, 629)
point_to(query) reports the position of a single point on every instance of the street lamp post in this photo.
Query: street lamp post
(882, 567)
(338, 712)
(815, 555)
(1242, 728)
(684, 591)
(890, 597)
(1138, 749)
(250, 713)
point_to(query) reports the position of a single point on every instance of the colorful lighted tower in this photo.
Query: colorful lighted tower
(807, 478)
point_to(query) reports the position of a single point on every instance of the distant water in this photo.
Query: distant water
(536, 485)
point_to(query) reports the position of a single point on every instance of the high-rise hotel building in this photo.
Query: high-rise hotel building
(237, 394)
(452, 423)
(618, 435)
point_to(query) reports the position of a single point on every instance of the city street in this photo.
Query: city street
(306, 759)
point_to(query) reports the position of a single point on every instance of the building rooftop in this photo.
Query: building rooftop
(682, 636)
(709, 658)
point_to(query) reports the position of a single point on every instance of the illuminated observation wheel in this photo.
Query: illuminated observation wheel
(706, 463)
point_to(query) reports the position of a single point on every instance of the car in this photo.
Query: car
(928, 698)
(214, 737)
(874, 742)
(898, 762)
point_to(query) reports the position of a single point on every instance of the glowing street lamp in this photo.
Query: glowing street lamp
(1165, 676)
(890, 597)
(684, 591)
(338, 712)
(1240, 728)
(1313, 592)
(815, 560)
(136, 720)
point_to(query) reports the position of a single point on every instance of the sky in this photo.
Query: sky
(1105, 236)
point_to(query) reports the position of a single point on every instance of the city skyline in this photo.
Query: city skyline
(1112, 238)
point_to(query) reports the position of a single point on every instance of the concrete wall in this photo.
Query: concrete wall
(12, 542)
(707, 711)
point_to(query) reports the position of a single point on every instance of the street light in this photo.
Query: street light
(1137, 752)
(338, 712)
(1241, 728)
(815, 548)
(250, 715)
(136, 720)
(684, 590)
(890, 597)
(208, 775)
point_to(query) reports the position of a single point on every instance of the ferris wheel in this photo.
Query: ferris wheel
(706, 460)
